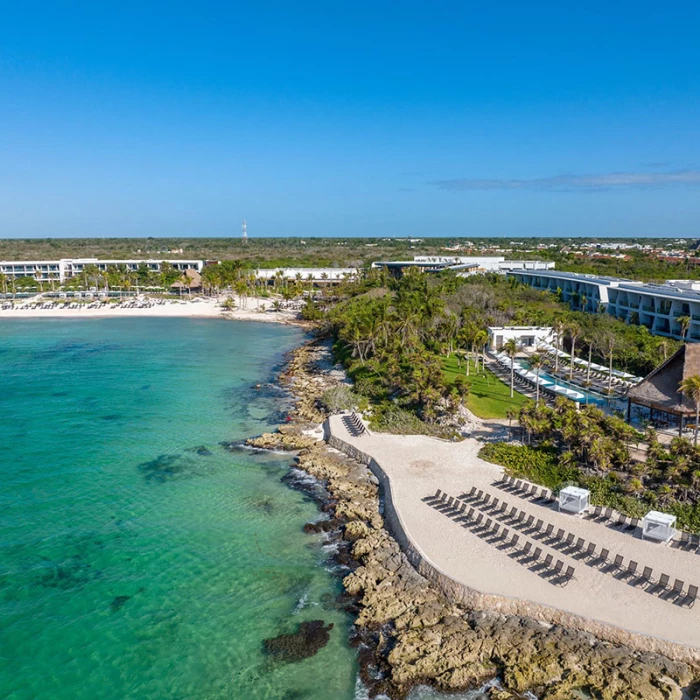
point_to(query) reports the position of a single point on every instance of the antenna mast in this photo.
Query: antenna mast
(244, 228)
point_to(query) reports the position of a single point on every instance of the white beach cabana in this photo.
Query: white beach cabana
(573, 499)
(658, 526)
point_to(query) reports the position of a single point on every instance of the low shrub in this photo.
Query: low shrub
(539, 465)
(339, 398)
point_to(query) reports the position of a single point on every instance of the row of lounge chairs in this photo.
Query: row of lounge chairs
(488, 528)
(577, 547)
(354, 425)
(602, 514)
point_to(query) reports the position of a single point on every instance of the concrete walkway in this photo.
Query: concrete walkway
(417, 466)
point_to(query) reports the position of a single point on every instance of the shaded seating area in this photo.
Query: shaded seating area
(657, 397)
(658, 526)
(573, 499)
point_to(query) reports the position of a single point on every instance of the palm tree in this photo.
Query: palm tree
(510, 347)
(589, 341)
(558, 332)
(690, 387)
(574, 331)
(685, 324)
(511, 412)
(536, 364)
(480, 340)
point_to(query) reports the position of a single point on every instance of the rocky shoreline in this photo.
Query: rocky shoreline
(406, 631)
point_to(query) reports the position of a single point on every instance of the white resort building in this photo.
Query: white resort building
(466, 265)
(61, 270)
(525, 336)
(656, 306)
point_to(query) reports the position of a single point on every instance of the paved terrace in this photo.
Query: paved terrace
(417, 466)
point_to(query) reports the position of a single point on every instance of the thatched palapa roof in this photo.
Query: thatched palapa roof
(660, 388)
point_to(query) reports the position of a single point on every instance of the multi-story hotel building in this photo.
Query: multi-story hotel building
(656, 306)
(61, 270)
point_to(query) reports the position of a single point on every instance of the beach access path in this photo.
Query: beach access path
(416, 466)
(184, 308)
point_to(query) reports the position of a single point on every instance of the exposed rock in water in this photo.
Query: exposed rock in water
(305, 642)
(408, 633)
(118, 602)
(322, 526)
(200, 450)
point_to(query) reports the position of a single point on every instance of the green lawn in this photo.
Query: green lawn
(488, 397)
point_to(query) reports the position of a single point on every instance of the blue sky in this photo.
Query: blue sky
(363, 118)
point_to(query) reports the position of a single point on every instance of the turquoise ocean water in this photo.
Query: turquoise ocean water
(139, 558)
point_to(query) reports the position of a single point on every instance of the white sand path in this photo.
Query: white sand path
(417, 466)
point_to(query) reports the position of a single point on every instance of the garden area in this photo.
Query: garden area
(488, 396)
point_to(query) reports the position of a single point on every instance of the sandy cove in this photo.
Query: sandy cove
(411, 630)
(186, 308)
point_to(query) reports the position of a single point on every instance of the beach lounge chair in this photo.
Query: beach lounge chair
(646, 575)
(479, 495)
(558, 567)
(495, 503)
(617, 564)
(579, 544)
(530, 520)
(590, 550)
(514, 540)
(504, 533)
(633, 524)
(568, 574)
(527, 548)
(694, 541)
(503, 507)
(488, 523)
(685, 539)
(547, 561)
(472, 491)
(621, 520)
(549, 530)
(462, 507)
(678, 586)
(487, 499)
(663, 581)
(569, 539)
(538, 525)
(608, 513)
(533, 491)
(537, 553)
(596, 513)
(450, 501)
(479, 518)
(560, 534)
(691, 596)
(518, 485)
(470, 514)
(513, 512)
(631, 569)
(521, 516)
(496, 528)
(438, 495)
(604, 554)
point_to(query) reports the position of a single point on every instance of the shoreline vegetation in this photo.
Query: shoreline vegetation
(405, 346)
(408, 633)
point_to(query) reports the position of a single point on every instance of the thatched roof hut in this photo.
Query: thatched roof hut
(659, 390)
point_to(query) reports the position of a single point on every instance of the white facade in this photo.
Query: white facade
(304, 274)
(486, 263)
(656, 306)
(525, 336)
(61, 270)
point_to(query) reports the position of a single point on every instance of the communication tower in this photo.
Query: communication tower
(244, 228)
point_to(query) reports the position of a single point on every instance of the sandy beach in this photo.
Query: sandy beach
(194, 308)
(417, 466)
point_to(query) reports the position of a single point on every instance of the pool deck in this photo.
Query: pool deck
(412, 468)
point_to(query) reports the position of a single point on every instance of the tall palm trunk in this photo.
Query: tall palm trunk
(512, 376)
